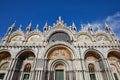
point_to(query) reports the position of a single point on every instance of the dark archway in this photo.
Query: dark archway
(5, 58)
(23, 58)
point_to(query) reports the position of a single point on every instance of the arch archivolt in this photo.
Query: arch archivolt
(84, 37)
(94, 52)
(53, 64)
(61, 47)
(34, 37)
(25, 51)
(59, 30)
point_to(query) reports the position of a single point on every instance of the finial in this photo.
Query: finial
(89, 25)
(20, 27)
(73, 27)
(73, 24)
(46, 24)
(98, 26)
(30, 24)
(46, 27)
(90, 28)
(37, 27)
(82, 27)
(60, 18)
(11, 28)
(106, 24)
(29, 27)
(107, 27)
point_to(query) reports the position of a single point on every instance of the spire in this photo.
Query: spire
(73, 27)
(46, 27)
(107, 27)
(37, 26)
(60, 19)
(28, 28)
(98, 26)
(82, 28)
(90, 29)
(20, 27)
(11, 28)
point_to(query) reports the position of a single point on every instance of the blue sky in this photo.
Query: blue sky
(42, 11)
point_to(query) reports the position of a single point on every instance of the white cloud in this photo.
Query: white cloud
(113, 21)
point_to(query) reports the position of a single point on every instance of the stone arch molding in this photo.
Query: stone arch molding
(60, 44)
(52, 64)
(24, 50)
(85, 34)
(36, 34)
(94, 50)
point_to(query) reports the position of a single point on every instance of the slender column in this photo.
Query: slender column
(35, 75)
(41, 75)
(38, 75)
(82, 63)
(48, 75)
(34, 66)
(9, 69)
(67, 75)
(51, 75)
(22, 75)
(13, 69)
(109, 72)
(31, 75)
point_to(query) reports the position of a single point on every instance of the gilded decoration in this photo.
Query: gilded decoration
(60, 53)
(59, 25)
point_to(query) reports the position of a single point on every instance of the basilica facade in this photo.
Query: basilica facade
(60, 52)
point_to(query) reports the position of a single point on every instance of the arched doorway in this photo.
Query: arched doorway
(59, 71)
(94, 66)
(24, 60)
(4, 63)
(114, 61)
(59, 59)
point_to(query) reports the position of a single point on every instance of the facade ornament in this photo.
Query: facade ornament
(73, 28)
(60, 19)
(20, 27)
(82, 28)
(107, 27)
(11, 28)
(46, 26)
(90, 29)
(28, 28)
(37, 26)
(98, 26)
